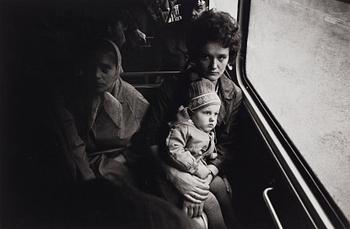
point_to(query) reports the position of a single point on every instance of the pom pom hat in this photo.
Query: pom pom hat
(202, 93)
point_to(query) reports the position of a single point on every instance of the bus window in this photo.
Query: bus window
(298, 60)
(230, 6)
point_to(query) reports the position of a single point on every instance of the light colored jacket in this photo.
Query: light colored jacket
(113, 119)
(190, 147)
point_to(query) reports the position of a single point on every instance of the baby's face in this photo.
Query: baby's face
(206, 118)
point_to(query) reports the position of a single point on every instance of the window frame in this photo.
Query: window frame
(314, 198)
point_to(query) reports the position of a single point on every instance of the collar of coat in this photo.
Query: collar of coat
(112, 104)
(226, 87)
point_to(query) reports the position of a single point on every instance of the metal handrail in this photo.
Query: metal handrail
(271, 208)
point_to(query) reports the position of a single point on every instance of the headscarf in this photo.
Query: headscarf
(117, 53)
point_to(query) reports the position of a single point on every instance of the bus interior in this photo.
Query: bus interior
(293, 54)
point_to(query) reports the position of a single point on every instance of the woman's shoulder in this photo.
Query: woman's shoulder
(131, 98)
(230, 90)
(130, 93)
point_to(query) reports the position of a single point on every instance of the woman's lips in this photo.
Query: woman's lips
(213, 73)
(100, 84)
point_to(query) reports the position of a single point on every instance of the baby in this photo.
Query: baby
(191, 145)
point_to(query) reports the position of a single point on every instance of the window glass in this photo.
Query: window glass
(229, 6)
(298, 60)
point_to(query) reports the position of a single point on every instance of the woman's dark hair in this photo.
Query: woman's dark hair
(213, 26)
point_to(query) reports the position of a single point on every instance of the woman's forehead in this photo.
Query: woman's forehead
(215, 47)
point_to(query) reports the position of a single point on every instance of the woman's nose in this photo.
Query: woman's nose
(98, 73)
(213, 63)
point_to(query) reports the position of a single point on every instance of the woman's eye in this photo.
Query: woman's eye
(204, 58)
(104, 67)
(222, 58)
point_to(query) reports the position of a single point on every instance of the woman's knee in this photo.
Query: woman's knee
(217, 185)
(211, 202)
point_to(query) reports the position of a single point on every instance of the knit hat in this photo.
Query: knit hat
(202, 93)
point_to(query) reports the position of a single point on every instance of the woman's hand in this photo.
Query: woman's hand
(192, 209)
(191, 187)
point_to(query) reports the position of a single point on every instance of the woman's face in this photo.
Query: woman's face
(213, 59)
(106, 71)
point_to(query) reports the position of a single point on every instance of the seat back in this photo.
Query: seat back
(147, 82)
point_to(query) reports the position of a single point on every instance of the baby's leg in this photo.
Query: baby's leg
(213, 211)
(219, 189)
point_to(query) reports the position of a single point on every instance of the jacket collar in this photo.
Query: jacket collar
(226, 87)
(111, 103)
(118, 90)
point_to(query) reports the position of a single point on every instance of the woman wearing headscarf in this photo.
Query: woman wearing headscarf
(98, 125)
(103, 115)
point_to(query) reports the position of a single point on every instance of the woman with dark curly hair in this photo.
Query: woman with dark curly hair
(216, 28)
(213, 43)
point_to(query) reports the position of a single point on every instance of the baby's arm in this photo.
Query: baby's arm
(202, 170)
(176, 144)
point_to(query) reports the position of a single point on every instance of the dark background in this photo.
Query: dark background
(41, 45)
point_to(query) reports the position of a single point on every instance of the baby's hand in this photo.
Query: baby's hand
(202, 171)
(182, 114)
(213, 155)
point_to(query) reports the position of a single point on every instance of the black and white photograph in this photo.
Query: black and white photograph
(174, 114)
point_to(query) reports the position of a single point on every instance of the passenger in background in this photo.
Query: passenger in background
(173, 34)
(97, 127)
(213, 43)
(191, 9)
(107, 112)
(125, 27)
(141, 49)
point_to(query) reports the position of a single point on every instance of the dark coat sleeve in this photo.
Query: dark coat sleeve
(163, 109)
(154, 128)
